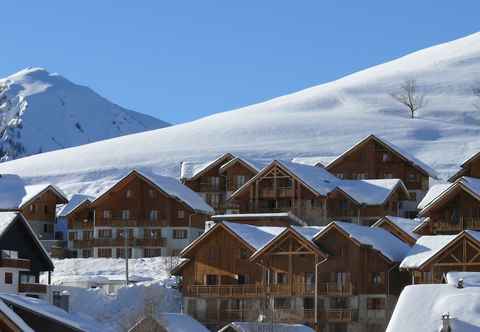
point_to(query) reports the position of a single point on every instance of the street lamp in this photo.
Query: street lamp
(125, 238)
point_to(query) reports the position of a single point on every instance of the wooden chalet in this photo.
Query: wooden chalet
(376, 158)
(328, 277)
(37, 203)
(453, 207)
(151, 215)
(23, 257)
(403, 228)
(316, 196)
(433, 256)
(469, 168)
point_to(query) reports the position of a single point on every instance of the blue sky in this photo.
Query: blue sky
(181, 60)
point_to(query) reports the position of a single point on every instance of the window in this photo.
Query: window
(308, 303)
(45, 209)
(343, 205)
(375, 303)
(215, 182)
(243, 253)
(338, 303)
(104, 233)
(87, 235)
(310, 279)
(153, 215)
(339, 175)
(361, 176)
(107, 214)
(121, 252)
(412, 177)
(213, 199)
(121, 233)
(152, 234)
(242, 279)
(32, 208)
(152, 193)
(180, 214)
(87, 253)
(385, 157)
(48, 228)
(10, 254)
(240, 180)
(179, 234)
(376, 278)
(125, 214)
(129, 193)
(211, 279)
(8, 278)
(72, 236)
(282, 303)
(152, 252)
(27, 279)
(413, 195)
(388, 176)
(105, 252)
(282, 278)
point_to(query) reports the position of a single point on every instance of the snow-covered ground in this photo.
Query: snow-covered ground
(320, 121)
(41, 112)
(154, 291)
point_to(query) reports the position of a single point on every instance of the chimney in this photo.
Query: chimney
(446, 323)
(460, 283)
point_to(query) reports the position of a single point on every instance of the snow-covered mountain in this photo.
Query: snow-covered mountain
(323, 120)
(41, 112)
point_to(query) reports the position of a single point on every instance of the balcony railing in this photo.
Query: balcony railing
(227, 291)
(78, 244)
(337, 315)
(32, 288)
(334, 289)
(16, 263)
(457, 225)
(132, 222)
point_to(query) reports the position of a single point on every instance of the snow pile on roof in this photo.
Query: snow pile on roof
(94, 269)
(6, 219)
(177, 322)
(17, 320)
(315, 161)
(381, 240)
(309, 232)
(190, 169)
(428, 246)
(433, 193)
(469, 278)
(317, 178)
(255, 164)
(14, 192)
(420, 308)
(405, 224)
(45, 309)
(256, 236)
(370, 192)
(75, 201)
(266, 327)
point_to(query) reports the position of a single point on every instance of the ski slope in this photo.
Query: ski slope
(320, 121)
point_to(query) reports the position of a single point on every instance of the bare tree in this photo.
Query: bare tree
(410, 97)
(476, 93)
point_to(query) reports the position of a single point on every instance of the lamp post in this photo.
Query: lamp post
(125, 238)
(316, 291)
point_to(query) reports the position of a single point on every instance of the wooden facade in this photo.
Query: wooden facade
(470, 167)
(227, 280)
(396, 231)
(456, 209)
(139, 207)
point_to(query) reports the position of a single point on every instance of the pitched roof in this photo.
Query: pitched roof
(393, 148)
(420, 308)
(437, 192)
(255, 165)
(379, 239)
(75, 201)
(14, 318)
(178, 322)
(191, 170)
(169, 186)
(371, 192)
(8, 218)
(317, 161)
(43, 308)
(15, 193)
(429, 246)
(264, 327)
(260, 217)
(405, 224)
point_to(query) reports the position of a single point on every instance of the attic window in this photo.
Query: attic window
(10, 254)
(129, 193)
(243, 253)
(151, 193)
(385, 157)
(32, 208)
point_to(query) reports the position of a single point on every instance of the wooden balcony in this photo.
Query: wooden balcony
(282, 192)
(457, 225)
(16, 263)
(209, 188)
(80, 244)
(32, 288)
(334, 289)
(337, 315)
(119, 222)
(225, 291)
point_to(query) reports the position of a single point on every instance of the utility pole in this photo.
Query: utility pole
(125, 237)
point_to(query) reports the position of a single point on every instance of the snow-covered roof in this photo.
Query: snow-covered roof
(190, 170)
(6, 218)
(401, 152)
(12, 316)
(315, 161)
(15, 193)
(420, 308)
(254, 164)
(379, 239)
(43, 308)
(170, 186)
(469, 278)
(255, 236)
(74, 202)
(405, 224)
(265, 327)
(428, 246)
(435, 193)
(177, 322)
(371, 192)
(259, 216)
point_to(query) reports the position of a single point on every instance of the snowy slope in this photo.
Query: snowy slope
(320, 121)
(41, 112)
